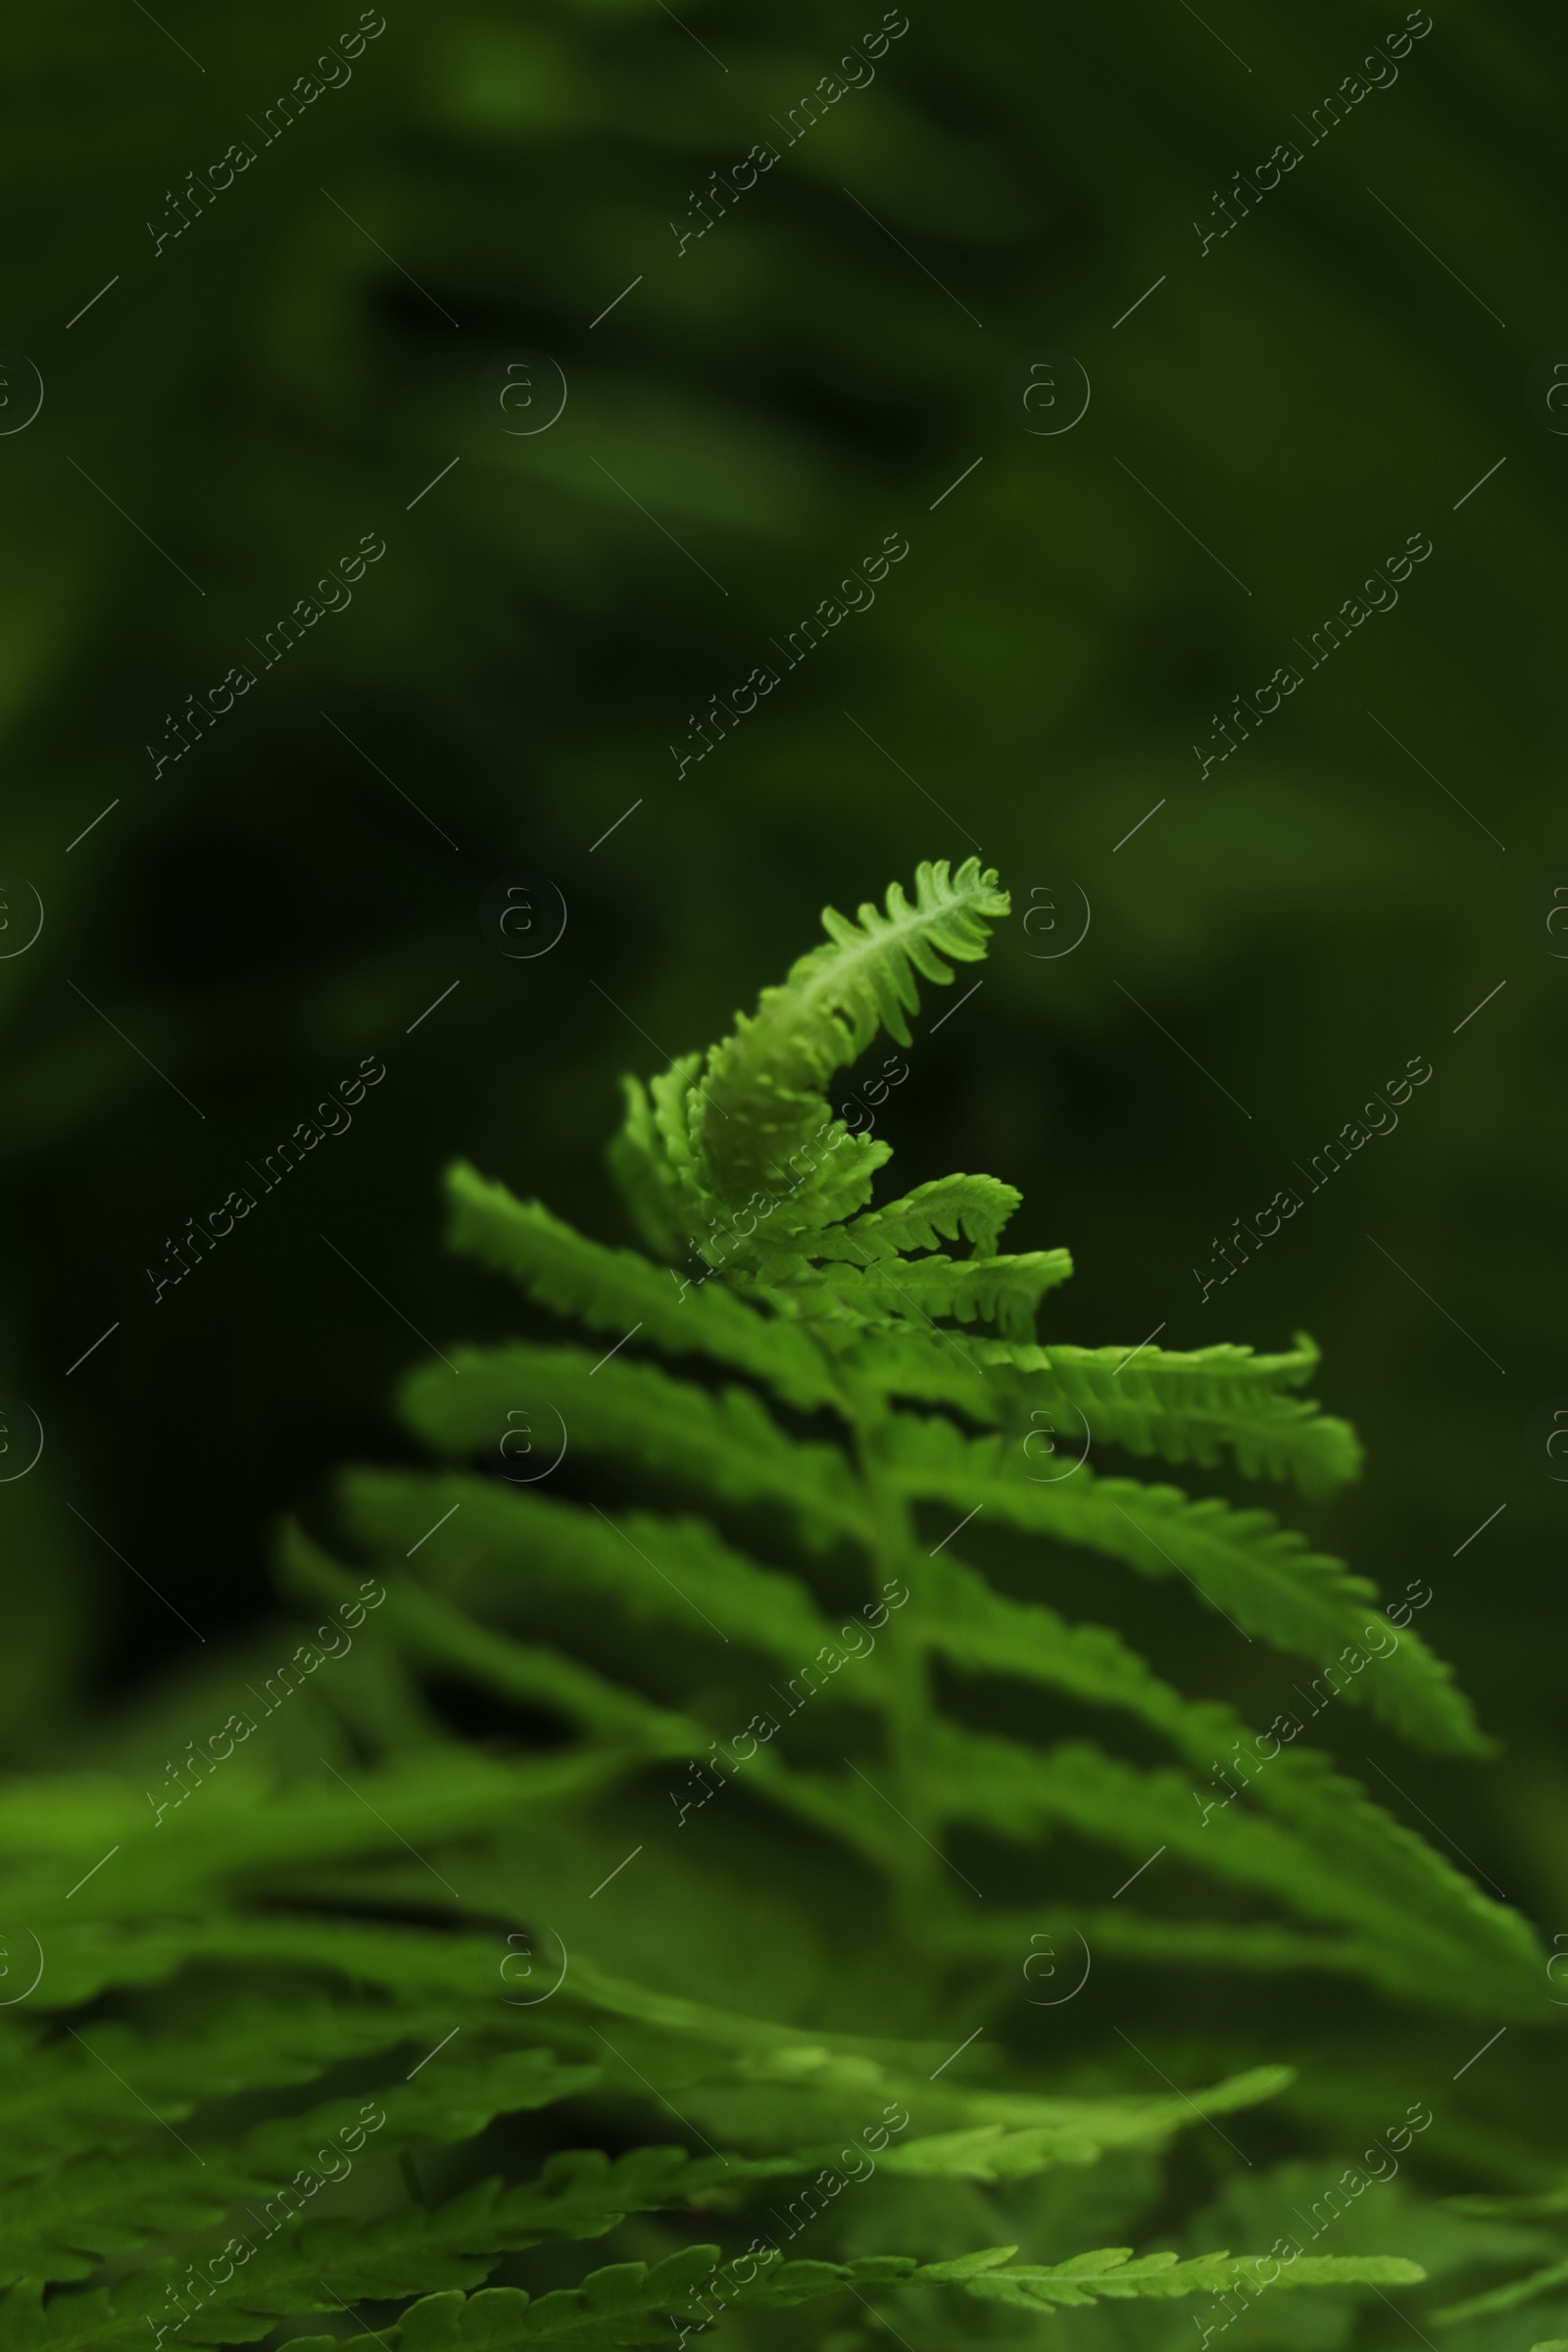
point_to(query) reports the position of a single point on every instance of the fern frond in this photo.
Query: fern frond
(236, 1974)
(309, 2267)
(1261, 1576)
(726, 1444)
(1417, 1928)
(1005, 1290)
(982, 1631)
(975, 1206)
(671, 1097)
(1118, 1931)
(651, 1159)
(628, 2304)
(797, 1201)
(60, 2097)
(1184, 1407)
(1114, 2275)
(963, 1618)
(655, 1570)
(1021, 2135)
(616, 1290)
(56, 2226)
(446, 1640)
(763, 1090)
(1505, 2298)
(647, 1183)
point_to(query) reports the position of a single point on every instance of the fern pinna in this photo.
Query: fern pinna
(377, 2010)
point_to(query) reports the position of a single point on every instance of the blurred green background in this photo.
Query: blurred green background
(307, 363)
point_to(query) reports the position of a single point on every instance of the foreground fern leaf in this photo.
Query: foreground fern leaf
(366, 1947)
(777, 1275)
